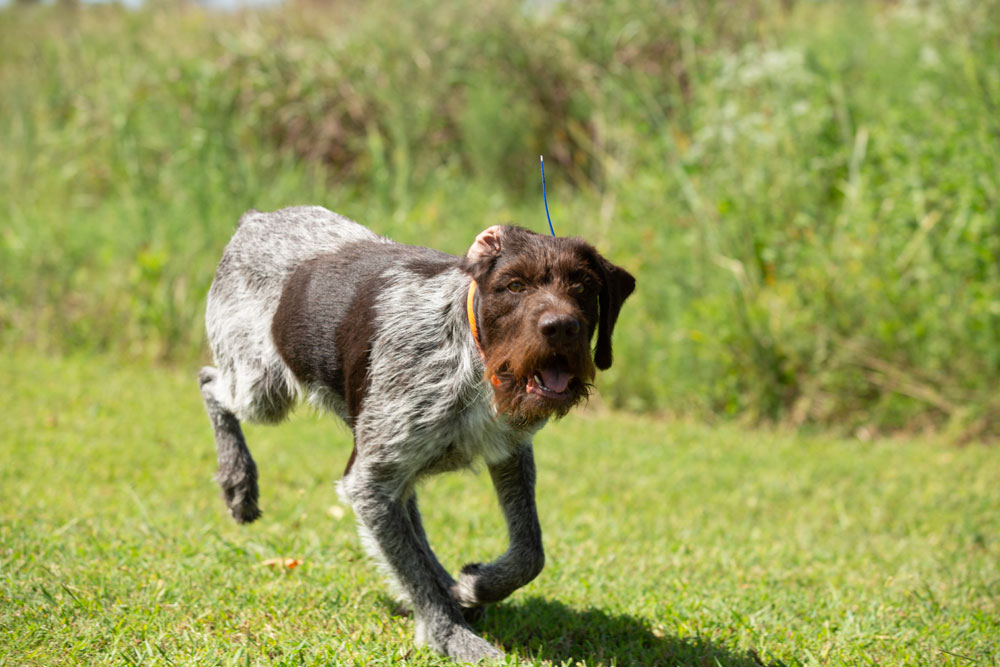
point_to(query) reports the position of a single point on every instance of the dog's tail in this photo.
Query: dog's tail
(237, 474)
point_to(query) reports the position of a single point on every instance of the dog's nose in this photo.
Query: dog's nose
(558, 326)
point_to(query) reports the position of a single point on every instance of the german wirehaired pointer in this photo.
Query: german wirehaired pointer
(434, 361)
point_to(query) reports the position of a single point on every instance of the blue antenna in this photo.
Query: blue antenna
(548, 217)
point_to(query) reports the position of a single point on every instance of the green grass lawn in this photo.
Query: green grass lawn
(667, 543)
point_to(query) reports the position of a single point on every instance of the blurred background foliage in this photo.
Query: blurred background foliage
(808, 192)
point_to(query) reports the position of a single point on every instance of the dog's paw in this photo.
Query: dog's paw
(468, 647)
(241, 499)
(245, 512)
(464, 590)
(458, 643)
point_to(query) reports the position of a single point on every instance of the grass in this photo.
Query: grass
(668, 542)
(809, 196)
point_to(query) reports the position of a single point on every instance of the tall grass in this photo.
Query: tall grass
(809, 193)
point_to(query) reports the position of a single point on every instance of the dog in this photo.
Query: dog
(434, 362)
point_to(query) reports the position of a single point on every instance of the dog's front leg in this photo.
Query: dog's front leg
(514, 480)
(387, 524)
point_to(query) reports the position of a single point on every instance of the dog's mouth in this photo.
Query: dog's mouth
(545, 387)
(552, 381)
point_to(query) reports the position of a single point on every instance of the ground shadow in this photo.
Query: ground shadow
(549, 630)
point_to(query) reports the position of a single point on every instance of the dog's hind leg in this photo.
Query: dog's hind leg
(237, 474)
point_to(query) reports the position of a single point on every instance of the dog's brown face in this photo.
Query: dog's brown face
(540, 301)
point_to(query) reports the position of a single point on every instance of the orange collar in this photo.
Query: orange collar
(470, 309)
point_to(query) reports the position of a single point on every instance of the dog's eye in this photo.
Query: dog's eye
(576, 289)
(515, 286)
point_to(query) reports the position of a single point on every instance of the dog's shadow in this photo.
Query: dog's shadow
(549, 630)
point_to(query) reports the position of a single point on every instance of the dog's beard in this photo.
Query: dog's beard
(521, 376)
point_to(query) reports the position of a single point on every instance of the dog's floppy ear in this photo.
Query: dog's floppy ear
(616, 285)
(487, 245)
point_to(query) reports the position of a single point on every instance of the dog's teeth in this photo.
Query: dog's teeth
(538, 382)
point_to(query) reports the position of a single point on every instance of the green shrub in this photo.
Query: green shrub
(808, 192)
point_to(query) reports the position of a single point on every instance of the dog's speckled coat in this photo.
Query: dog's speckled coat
(307, 303)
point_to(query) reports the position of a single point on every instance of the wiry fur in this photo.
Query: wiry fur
(306, 303)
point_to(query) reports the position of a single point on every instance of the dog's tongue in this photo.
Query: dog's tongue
(556, 380)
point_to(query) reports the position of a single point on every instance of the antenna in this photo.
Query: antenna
(541, 159)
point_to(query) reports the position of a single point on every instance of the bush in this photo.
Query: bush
(808, 192)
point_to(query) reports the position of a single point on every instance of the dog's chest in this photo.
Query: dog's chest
(472, 433)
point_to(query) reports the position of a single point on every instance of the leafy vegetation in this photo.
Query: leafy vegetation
(808, 192)
(667, 543)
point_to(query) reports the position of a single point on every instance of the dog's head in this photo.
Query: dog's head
(539, 303)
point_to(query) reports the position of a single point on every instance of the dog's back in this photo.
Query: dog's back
(263, 253)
